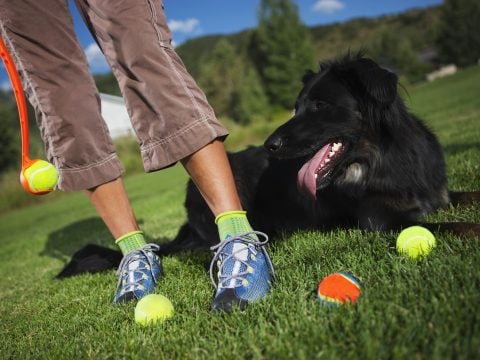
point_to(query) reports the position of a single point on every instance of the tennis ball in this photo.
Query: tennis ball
(338, 289)
(415, 241)
(41, 176)
(153, 308)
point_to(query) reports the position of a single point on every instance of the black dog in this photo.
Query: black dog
(351, 156)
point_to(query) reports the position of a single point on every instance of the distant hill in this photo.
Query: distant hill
(419, 26)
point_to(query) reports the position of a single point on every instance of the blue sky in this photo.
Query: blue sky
(193, 18)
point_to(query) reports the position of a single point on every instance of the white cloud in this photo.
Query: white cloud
(328, 6)
(5, 85)
(95, 58)
(188, 26)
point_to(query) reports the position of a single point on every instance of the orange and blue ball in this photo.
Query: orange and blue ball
(338, 289)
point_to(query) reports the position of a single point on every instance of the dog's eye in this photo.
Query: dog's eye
(320, 104)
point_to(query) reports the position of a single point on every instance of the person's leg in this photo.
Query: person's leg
(58, 84)
(210, 171)
(112, 195)
(173, 121)
(170, 114)
(140, 268)
(245, 269)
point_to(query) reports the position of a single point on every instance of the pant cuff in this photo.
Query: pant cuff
(91, 176)
(168, 151)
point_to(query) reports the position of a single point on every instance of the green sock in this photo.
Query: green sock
(232, 223)
(131, 241)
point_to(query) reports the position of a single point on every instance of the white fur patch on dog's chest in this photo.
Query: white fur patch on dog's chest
(354, 174)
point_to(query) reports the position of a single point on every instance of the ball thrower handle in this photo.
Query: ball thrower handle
(20, 98)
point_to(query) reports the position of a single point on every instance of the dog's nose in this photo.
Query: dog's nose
(274, 144)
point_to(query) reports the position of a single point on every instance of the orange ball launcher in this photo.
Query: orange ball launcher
(23, 115)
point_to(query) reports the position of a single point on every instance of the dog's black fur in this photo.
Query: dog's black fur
(388, 173)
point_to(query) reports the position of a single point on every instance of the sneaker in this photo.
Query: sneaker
(245, 271)
(138, 272)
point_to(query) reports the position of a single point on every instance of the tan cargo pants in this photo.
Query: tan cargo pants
(170, 114)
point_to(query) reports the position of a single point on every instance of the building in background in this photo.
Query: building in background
(116, 116)
(442, 72)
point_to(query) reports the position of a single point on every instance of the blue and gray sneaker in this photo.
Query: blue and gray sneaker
(138, 272)
(245, 271)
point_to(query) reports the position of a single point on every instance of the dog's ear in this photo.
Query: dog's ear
(378, 82)
(309, 74)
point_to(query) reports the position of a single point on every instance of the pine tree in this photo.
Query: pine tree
(395, 51)
(217, 76)
(459, 38)
(231, 84)
(283, 50)
(249, 101)
(9, 138)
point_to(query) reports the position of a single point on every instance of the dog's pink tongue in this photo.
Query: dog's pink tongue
(306, 180)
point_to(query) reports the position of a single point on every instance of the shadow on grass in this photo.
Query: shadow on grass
(87, 246)
(65, 242)
(455, 149)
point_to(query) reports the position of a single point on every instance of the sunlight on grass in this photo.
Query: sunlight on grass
(408, 309)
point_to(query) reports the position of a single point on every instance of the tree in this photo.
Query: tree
(9, 139)
(217, 76)
(231, 84)
(395, 51)
(459, 38)
(283, 50)
(249, 100)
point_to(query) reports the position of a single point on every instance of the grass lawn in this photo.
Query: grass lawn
(408, 309)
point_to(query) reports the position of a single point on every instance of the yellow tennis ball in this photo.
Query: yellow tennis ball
(41, 176)
(415, 241)
(153, 308)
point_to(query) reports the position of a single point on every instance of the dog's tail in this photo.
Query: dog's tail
(464, 229)
(458, 198)
(91, 259)
(464, 198)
